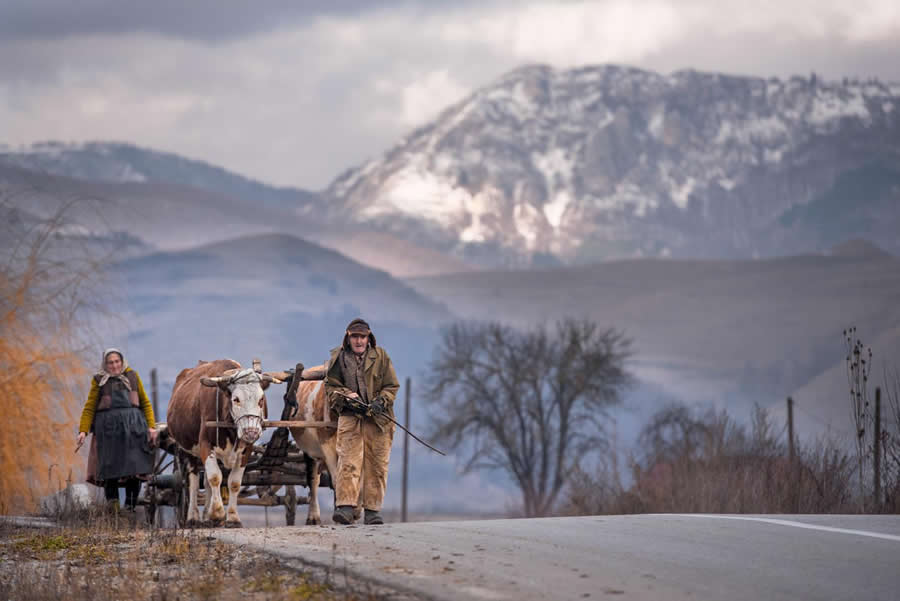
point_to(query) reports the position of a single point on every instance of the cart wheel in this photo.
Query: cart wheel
(290, 504)
(151, 509)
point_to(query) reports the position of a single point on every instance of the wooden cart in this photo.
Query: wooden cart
(270, 478)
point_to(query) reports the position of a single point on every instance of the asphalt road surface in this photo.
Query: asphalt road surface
(665, 557)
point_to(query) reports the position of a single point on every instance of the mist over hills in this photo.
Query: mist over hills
(273, 294)
(140, 217)
(730, 332)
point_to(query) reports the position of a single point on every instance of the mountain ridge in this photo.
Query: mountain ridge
(122, 162)
(608, 161)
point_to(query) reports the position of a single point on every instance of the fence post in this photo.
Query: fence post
(877, 450)
(791, 456)
(790, 427)
(403, 513)
(154, 393)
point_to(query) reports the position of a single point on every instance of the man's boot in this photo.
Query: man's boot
(372, 518)
(343, 514)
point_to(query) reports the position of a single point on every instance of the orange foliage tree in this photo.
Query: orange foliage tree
(45, 276)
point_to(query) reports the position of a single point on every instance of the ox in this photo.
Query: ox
(319, 444)
(238, 394)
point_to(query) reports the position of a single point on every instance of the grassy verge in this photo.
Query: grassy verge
(112, 559)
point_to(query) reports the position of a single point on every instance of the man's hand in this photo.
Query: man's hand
(377, 407)
(356, 404)
(351, 403)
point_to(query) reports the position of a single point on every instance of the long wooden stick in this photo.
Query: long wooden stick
(278, 423)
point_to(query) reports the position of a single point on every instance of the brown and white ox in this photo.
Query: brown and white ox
(242, 402)
(318, 443)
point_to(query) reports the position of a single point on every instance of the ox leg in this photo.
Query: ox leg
(233, 520)
(193, 514)
(329, 449)
(216, 509)
(313, 517)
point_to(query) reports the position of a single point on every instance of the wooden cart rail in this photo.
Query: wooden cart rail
(278, 423)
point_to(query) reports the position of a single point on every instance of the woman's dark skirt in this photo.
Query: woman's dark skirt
(123, 447)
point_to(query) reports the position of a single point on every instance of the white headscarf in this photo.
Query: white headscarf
(105, 375)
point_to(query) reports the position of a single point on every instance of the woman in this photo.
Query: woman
(119, 414)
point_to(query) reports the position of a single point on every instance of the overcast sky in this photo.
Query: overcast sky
(294, 92)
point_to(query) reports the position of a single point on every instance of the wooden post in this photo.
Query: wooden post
(154, 393)
(794, 498)
(877, 449)
(403, 508)
(154, 402)
(790, 427)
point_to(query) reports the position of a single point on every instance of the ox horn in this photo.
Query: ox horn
(316, 372)
(280, 376)
(216, 381)
(222, 380)
(277, 377)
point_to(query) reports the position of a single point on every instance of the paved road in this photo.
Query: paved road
(649, 557)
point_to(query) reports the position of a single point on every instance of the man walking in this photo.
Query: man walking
(361, 385)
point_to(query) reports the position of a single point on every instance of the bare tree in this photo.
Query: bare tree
(531, 403)
(47, 281)
(859, 365)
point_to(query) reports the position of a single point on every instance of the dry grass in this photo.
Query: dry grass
(112, 559)
(711, 464)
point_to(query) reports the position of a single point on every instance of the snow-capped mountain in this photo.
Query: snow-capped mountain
(608, 161)
(126, 163)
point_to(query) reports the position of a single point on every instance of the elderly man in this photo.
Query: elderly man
(361, 385)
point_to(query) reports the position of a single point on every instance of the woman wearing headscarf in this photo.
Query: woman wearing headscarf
(121, 418)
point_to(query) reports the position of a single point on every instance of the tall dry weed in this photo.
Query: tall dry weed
(45, 284)
(711, 464)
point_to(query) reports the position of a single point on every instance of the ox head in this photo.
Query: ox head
(246, 398)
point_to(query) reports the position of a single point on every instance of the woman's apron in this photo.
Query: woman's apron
(120, 429)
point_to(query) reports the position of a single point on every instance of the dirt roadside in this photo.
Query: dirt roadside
(103, 558)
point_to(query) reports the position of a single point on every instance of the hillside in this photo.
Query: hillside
(281, 299)
(731, 332)
(139, 217)
(272, 295)
(115, 162)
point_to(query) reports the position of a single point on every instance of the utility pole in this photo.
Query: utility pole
(792, 464)
(154, 401)
(403, 513)
(790, 427)
(877, 445)
(154, 393)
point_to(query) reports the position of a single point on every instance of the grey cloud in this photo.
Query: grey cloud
(210, 20)
(298, 103)
(829, 57)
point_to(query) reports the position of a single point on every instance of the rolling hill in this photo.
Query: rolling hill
(730, 332)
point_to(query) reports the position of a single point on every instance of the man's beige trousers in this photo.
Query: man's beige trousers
(363, 450)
